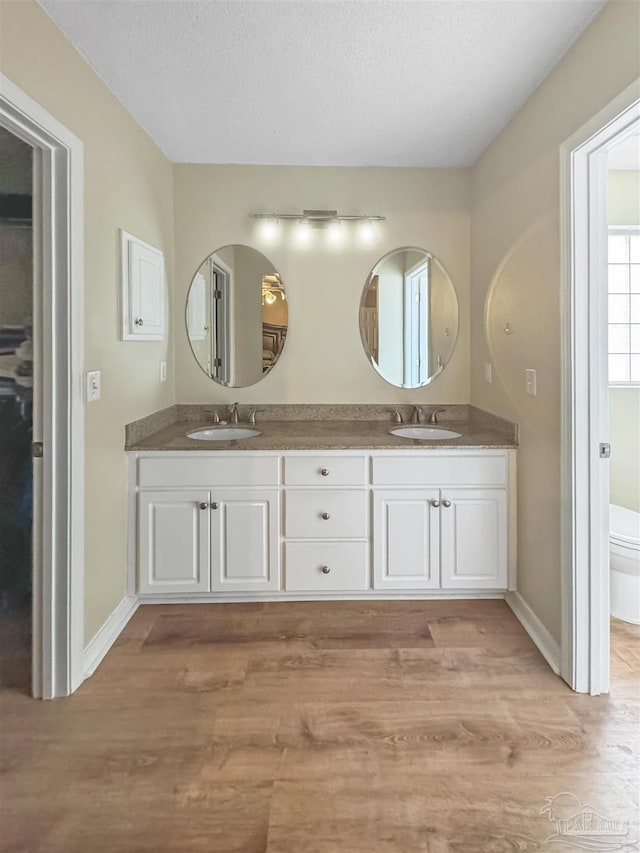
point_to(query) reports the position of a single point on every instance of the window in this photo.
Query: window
(624, 306)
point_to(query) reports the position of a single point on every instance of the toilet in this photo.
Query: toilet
(624, 550)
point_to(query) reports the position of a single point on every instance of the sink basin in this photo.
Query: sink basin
(229, 433)
(425, 433)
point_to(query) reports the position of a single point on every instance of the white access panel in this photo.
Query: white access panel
(143, 290)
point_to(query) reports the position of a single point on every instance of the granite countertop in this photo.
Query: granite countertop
(478, 430)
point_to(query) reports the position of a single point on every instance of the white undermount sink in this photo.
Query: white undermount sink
(227, 433)
(425, 433)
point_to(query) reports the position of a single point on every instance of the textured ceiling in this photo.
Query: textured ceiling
(323, 82)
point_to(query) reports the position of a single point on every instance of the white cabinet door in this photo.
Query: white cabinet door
(245, 540)
(474, 538)
(173, 541)
(143, 290)
(406, 542)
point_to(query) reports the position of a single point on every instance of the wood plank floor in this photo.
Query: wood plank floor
(324, 727)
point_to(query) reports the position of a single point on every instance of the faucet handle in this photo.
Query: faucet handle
(252, 415)
(215, 416)
(397, 417)
(433, 417)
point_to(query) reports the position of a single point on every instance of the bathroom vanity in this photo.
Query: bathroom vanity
(313, 517)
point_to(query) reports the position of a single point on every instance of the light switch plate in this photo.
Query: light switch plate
(93, 379)
(530, 382)
(488, 377)
(163, 371)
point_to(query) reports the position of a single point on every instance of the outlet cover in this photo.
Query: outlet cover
(530, 382)
(93, 380)
(163, 371)
(488, 372)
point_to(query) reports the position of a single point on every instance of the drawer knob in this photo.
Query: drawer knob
(139, 321)
(203, 505)
(326, 516)
(446, 503)
(435, 503)
(325, 570)
(324, 472)
(214, 506)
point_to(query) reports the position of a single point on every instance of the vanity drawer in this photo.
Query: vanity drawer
(325, 470)
(347, 564)
(469, 470)
(245, 471)
(306, 511)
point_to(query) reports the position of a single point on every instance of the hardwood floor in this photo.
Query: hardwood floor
(320, 727)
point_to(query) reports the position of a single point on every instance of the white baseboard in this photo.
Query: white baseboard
(547, 646)
(108, 634)
(374, 595)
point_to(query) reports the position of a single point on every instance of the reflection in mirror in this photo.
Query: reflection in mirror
(409, 317)
(237, 316)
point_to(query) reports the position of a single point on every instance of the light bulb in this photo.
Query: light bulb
(303, 232)
(269, 297)
(367, 233)
(269, 229)
(335, 233)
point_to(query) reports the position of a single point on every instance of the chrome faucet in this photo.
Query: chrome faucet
(397, 417)
(433, 416)
(416, 418)
(233, 413)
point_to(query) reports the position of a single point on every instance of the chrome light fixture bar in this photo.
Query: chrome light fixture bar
(318, 218)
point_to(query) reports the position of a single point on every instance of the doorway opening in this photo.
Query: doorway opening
(600, 301)
(56, 443)
(16, 410)
(623, 366)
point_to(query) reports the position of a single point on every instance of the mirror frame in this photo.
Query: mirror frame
(363, 296)
(186, 315)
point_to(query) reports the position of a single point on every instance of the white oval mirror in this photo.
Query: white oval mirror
(237, 316)
(409, 317)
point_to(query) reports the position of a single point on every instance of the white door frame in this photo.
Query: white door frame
(585, 405)
(58, 411)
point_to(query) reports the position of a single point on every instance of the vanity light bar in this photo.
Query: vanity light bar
(319, 218)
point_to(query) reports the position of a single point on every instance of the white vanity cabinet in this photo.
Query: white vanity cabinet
(242, 524)
(245, 540)
(197, 541)
(326, 523)
(173, 541)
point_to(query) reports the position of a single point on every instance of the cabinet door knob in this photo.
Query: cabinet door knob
(214, 506)
(204, 505)
(325, 570)
(139, 321)
(435, 503)
(446, 503)
(326, 516)
(324, 472)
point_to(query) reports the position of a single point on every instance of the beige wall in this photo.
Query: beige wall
(624, 403)
(624, 196)
(323, 360)
(515, 250)
(128, 184)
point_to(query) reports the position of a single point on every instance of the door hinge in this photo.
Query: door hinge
(37, 450)
(605, 451)
(217, 362)
(217, 294)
